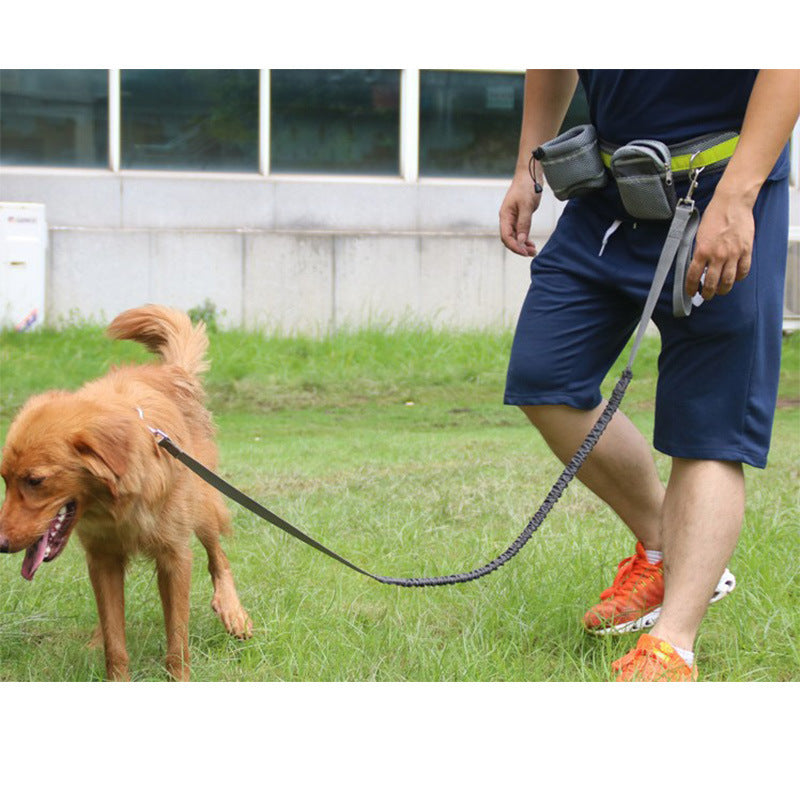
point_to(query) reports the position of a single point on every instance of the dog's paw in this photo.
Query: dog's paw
(235, 619)
(242, 627)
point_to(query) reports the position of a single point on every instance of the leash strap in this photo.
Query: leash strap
(246, 502)
(681, 300)
(677, 244)
(442, 580)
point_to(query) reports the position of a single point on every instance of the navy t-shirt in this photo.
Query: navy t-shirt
(671, 105)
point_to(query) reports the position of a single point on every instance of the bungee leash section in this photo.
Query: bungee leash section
(683, 227)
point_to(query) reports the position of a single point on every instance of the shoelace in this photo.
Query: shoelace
(629, 569)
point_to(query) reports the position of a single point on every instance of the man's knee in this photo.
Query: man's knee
(559, 418)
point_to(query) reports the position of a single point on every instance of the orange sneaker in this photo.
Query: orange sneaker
(653, 659)
(633, 601)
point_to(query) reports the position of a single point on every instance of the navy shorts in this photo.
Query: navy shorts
(718, 368)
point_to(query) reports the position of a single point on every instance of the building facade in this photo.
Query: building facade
(293, 200)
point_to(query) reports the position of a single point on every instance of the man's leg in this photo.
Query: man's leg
(701, 522)
(620, 470)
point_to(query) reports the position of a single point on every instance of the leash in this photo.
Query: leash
(679, 238)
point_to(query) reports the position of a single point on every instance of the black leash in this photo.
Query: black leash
(681, 232)
(443, 580)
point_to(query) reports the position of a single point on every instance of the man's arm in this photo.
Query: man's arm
(725, 238)
(548, 93)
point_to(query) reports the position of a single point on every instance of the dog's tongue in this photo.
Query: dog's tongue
(34, 556)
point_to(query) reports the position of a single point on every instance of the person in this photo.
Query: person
(718, 367)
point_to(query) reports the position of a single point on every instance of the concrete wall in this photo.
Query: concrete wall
(288, 281)
(294, 255)
(288, 255)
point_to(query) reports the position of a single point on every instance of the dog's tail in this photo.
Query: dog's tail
(166, 332)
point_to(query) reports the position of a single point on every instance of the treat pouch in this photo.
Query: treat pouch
(643, 175)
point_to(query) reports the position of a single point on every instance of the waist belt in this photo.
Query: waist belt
(658, 199)
(702, 151)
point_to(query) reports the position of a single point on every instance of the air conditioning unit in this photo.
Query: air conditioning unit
(23, 253)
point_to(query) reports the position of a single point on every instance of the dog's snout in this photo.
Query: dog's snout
(3, 544)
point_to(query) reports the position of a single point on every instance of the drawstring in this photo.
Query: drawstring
(537, 187)
(608, 234)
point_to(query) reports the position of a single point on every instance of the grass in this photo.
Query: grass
(395, 449)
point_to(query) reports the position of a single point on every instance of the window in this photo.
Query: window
(322, 121)
(54, 117)
(190, 119)
(344, 121)
(470, 122)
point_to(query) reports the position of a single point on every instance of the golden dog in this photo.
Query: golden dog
(87, 461)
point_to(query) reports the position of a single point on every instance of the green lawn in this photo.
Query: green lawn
(395, 449)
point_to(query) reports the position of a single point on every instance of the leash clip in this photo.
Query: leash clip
(157, 432)
(694, 174)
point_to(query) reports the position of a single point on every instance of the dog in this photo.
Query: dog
(88, 462)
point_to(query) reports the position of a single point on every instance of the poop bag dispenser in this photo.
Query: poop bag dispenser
(571, 162)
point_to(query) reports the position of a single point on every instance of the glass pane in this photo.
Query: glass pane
(54, 117)
(190, 119)
(335, 121)
(470, 122)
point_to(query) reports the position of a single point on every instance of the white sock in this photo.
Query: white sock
(686, 655)
(653, 556)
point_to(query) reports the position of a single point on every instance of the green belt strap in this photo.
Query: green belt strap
(704, 158)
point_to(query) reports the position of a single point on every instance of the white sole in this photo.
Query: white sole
(726, 584)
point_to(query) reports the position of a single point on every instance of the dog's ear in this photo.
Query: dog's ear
(104, 448)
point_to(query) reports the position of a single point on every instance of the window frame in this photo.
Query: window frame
(409, 149)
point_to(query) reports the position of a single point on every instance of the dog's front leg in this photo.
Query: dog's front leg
(107, 573)
(174, 581)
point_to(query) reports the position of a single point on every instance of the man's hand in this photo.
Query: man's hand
(547, 96)
(725, 236)
(724, 246)
(515, 215)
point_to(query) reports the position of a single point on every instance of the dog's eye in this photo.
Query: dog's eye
(34, 480)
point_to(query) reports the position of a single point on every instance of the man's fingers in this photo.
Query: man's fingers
(527, 247)
(514, 233)
(524, 244)
(743, 267)
(508, 232)
(710, 281)
(727, 277)
(718, 278)
(693, 275)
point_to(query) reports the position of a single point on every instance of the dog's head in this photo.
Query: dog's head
(62, 458)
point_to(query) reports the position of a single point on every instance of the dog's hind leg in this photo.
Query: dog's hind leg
(225, 602)
(174, 569)
(107, 573)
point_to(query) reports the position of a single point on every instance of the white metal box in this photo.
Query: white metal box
(23, 257)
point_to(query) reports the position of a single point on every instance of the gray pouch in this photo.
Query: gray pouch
(644, 178)
(572, 163)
